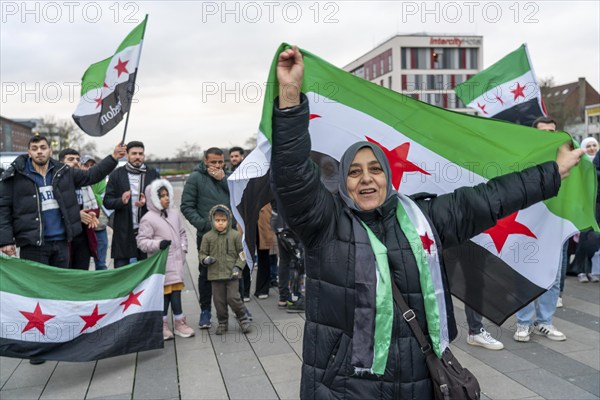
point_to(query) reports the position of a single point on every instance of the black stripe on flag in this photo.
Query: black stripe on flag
(256, 195)
(114, 106)
(486, 283)
(522, 114)
(133, 333)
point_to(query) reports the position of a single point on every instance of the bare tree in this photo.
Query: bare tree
(189, 151)
(65, 134)
(250, 143)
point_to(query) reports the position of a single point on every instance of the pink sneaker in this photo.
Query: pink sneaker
(182, 329)
(167, 334)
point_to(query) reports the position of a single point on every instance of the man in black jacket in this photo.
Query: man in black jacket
(38, 206)
(125, 195)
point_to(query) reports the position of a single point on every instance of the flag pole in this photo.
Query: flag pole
(134, 79)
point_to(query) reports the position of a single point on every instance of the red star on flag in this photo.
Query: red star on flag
(131, 300)
(92, 319)
(518, 92)
(500, 100)
(36, 319)
(313, 116)
(104, 85)
(399, 164)
(121, 67)
(427, 242)
(507, 226)
(98, 102)
(482, 107)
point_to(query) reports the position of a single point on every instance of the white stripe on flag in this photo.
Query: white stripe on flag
(87, 105)
(500, 98)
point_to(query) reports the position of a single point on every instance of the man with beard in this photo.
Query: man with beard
(84, 245)
(236, 156)
(125, 195)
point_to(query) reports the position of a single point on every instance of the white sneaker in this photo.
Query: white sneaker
(485, 340)
(550, 332)
(593, 278)
(522, 333)
(559, 303)
(582, 278)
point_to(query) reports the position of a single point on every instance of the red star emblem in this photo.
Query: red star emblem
(98, 102)
(500, 100)
(426, 242)
(131, 300)
(36, 319)
(92, 319)
(104, 85)
(518, 92)
(507, 226)
(121, 67)
(399, 164)
(482, 107)
(313, 116)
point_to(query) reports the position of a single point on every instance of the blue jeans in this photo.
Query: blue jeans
(544, 306)
(100, 261)
(563, 266)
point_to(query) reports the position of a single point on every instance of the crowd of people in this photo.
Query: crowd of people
(57, 212)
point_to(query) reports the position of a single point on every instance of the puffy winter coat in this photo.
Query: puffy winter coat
(123, 240)
(20, 206)
(156, 227)
(201, 193)
(225, 247)
(324, 224)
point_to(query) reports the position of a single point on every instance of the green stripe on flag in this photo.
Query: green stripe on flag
(32, 279)
(94, 76)
(483, 146)
(508, 68)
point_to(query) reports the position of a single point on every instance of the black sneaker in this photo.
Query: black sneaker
(296, 307)
(36, 361)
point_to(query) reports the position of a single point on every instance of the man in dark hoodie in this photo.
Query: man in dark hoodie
(205, 188)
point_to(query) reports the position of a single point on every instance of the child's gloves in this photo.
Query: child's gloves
(164, 244)
(236, 273)
(209, 261)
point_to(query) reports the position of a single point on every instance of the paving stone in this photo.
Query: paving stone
(500, 386)
(7, 368)
(200, 376)
(549, 386)
(502, 361)
(156, 374)
(69, 381)
(591, 383)
(282, 367)
(238, 365)
(113, 376)
(556, 363)
(251, 387)
(27, 375)
(588, 357)
(288, 390)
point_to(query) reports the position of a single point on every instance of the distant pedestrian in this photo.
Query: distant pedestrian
(222, 254)
(160, 227)
(99, 189)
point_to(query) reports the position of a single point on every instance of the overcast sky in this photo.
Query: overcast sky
(191, 46)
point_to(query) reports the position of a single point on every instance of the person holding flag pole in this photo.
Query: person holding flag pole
(368, 238)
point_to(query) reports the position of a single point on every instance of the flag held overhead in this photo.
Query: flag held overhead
(107, 87)
(435, 151)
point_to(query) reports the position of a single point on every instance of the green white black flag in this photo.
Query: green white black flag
(107, 86)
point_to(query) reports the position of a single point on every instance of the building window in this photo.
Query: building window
(389, 62)
(390, 81)
(381, 67)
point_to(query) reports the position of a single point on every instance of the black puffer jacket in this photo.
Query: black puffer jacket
(324, 224)
(20, 207)
(124, 244)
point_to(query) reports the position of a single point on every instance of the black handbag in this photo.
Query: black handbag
(450, 380)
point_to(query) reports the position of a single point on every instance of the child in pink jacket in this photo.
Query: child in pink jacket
(160, 227)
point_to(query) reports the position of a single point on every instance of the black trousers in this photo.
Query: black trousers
(80, 252)
(263, 273)
(205, 289)
(53, 253)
